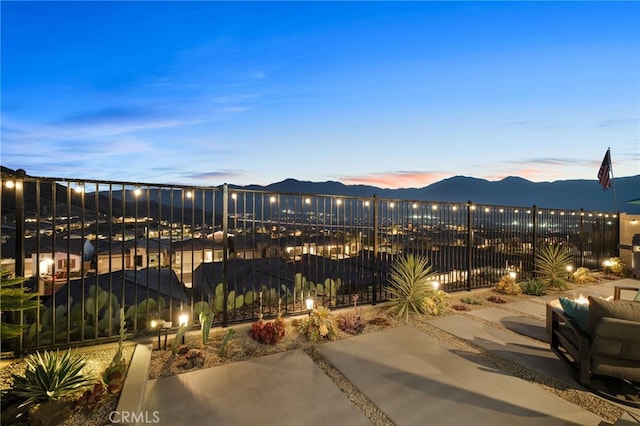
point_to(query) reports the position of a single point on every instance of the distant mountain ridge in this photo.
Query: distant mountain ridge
(510, 191)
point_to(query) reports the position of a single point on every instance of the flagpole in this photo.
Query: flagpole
(613, 184)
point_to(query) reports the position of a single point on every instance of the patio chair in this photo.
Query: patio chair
(605, 349)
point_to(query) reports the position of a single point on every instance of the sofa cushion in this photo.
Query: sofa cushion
(615, 350)
(599, 308)
(637, 298)
(578, 311)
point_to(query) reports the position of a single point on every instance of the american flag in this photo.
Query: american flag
(604, 174)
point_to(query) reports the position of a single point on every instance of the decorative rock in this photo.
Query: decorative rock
(51, 413)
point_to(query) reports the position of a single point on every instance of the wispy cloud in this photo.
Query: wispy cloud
(215, 176)
(396, 179)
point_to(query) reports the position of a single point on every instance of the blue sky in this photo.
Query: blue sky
(386, 94)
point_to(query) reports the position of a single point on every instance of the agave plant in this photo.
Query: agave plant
(410, 280)
(49, 376)
(551, 266)
(533, 287)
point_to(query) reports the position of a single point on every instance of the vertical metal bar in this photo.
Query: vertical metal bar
(19, 265)
(469, 242)
(110, 248)
(82, 269)
(534, 237)
(225, 247)
(376, 249)
(581, 237)
(38, 250)
(68, 265)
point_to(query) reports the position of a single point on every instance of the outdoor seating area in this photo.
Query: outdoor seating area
(599, 341)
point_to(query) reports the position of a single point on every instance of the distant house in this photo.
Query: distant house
(60, 261)
(132, 254)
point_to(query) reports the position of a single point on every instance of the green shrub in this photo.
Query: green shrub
(533, 287)
(551, 266)
(471, 301)
(14, 298)
(410, 280)
(583, 276)
(436, 302)
(507, 285)
(49, 376)
(318, 325)
(615, 265)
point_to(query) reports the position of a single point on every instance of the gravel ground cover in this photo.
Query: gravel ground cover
(195, 355)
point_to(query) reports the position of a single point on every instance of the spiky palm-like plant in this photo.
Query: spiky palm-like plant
(551, 266)
(49, 376)
(410, 278)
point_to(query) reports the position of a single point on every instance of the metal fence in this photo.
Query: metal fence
(89, 248)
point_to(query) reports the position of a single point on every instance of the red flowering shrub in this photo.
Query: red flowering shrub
(268, 333)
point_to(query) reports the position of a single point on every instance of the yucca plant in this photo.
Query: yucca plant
(410, 278)
(49, 376)
(551, 266)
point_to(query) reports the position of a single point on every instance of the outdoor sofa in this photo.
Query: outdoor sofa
(598, 340)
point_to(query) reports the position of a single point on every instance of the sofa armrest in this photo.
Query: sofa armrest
(569, 342)
(617, 291)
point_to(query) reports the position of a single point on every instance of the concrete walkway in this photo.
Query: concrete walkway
(414, 378)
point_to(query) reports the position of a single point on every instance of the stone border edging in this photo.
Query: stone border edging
(134, 389)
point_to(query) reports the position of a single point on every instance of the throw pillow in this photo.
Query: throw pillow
(621, 309)
(637, 298)
(578, 311)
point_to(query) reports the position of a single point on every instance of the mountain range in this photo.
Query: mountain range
(510, 191)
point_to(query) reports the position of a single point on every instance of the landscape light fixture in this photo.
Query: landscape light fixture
(512, 275)
(435, 284)
(309, 303)
(79, 189)
(161, 325)
(10, 184)
(569, 271)
(183, 319)
(137, 191)
(607, 264)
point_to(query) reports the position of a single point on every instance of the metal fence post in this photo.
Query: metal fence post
(376, 242)
(581, 237)
(18, 317)
(225, 258)
(534, 239)
(469, 242)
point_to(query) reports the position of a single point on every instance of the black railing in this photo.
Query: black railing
(89, 248)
